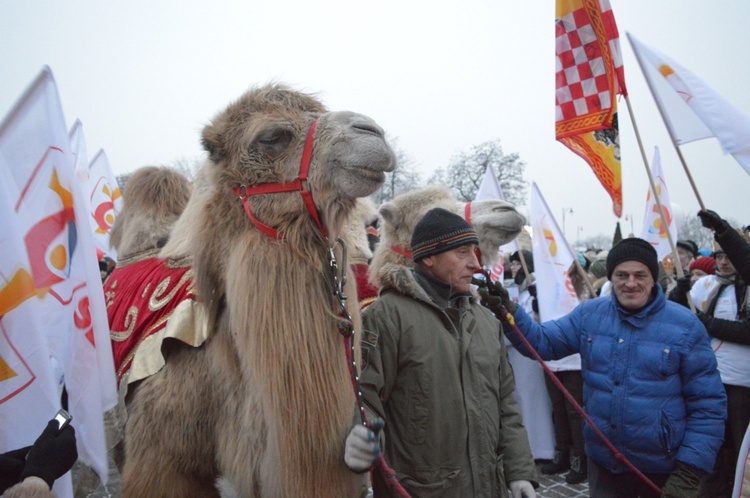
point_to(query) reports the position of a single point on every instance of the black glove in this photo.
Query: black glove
(713, 221)
(683, 482)
(12, 464)
(52, 455)
(495, 298)
(683, 283)
(704, 318)
(534, 303)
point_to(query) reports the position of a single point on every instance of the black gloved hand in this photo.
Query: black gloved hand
(713, 221)
(52, 455)
(683, 283)
(683, 482)
(495, 298)
(704, 318)
(534, 303)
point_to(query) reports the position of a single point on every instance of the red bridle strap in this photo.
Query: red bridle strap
(403, 252)
(467, 213)
(298, 185)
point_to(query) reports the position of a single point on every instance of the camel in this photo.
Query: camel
(359, 230)
(266, 401)
(153, 197)
(496, 223)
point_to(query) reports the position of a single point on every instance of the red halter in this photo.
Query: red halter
(300, 184)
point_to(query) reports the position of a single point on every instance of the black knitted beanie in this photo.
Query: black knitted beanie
(439, 231)
(633, 249)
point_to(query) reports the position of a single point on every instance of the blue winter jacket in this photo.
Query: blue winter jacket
(650, 380)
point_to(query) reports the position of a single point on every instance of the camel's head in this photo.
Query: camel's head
(496, 223)
(261, 139)
(153, 199)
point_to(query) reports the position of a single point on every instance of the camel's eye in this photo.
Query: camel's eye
(275, 141)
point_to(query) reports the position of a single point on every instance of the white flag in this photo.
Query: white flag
(653, 229)
(58, 253)
(716, 117)
(490, 189)
(552, 259)
(100, 188)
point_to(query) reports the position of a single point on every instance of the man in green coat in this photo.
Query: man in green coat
(435, 369)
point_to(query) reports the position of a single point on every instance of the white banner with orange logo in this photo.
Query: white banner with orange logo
(552, 259)
(99, 185)
(63, 300)
(653, 229)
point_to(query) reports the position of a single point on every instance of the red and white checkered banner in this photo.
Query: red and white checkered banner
(589, 76)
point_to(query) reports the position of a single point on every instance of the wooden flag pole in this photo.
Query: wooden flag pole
(663, 118)
(525, 267)
(582, 272)
(675, 255)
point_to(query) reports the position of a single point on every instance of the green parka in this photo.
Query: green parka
(437, 372)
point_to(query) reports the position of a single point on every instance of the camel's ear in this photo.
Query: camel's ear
(211, 141)
(391, 214)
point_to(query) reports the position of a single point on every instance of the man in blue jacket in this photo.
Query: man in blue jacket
(651, 383)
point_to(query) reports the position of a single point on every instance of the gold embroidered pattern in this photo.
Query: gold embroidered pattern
(137, 257)
(157, 302)
(126, 361)
(130, 320)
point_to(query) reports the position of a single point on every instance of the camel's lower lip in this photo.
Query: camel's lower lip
(370, 174)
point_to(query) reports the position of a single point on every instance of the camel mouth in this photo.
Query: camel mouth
(368, 173)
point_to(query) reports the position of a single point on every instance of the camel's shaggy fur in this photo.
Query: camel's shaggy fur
(267, 400)
(365, 212)
(496, 223)
(153, 198)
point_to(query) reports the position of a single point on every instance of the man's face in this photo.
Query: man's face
(724, 267)
(686, 257)
(454, 267)
(632, 283)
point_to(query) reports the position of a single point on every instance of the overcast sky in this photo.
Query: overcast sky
(144, 77)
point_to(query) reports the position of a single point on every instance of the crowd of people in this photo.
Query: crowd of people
(658, 362)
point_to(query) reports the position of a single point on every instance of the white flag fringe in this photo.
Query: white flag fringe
(653, 229)
(490, 189)
(716, 117)
(63, 299)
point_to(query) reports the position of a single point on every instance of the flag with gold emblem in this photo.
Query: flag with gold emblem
(588, 77)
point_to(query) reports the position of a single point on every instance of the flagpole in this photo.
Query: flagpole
(675, 255)
(525, 267)
(669, 130)
(586, 279)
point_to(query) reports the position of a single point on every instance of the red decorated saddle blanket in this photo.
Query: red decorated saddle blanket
(141, 296)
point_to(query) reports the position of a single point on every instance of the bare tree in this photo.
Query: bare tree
(402, 179)
(188, 166)
(122, 180)
(691, 228)
(465, 173)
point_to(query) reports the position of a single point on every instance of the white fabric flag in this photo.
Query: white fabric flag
(490, 189)
(716, 116)
(553, 258)
(48, 208)
(653, 229)
(100, 187)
